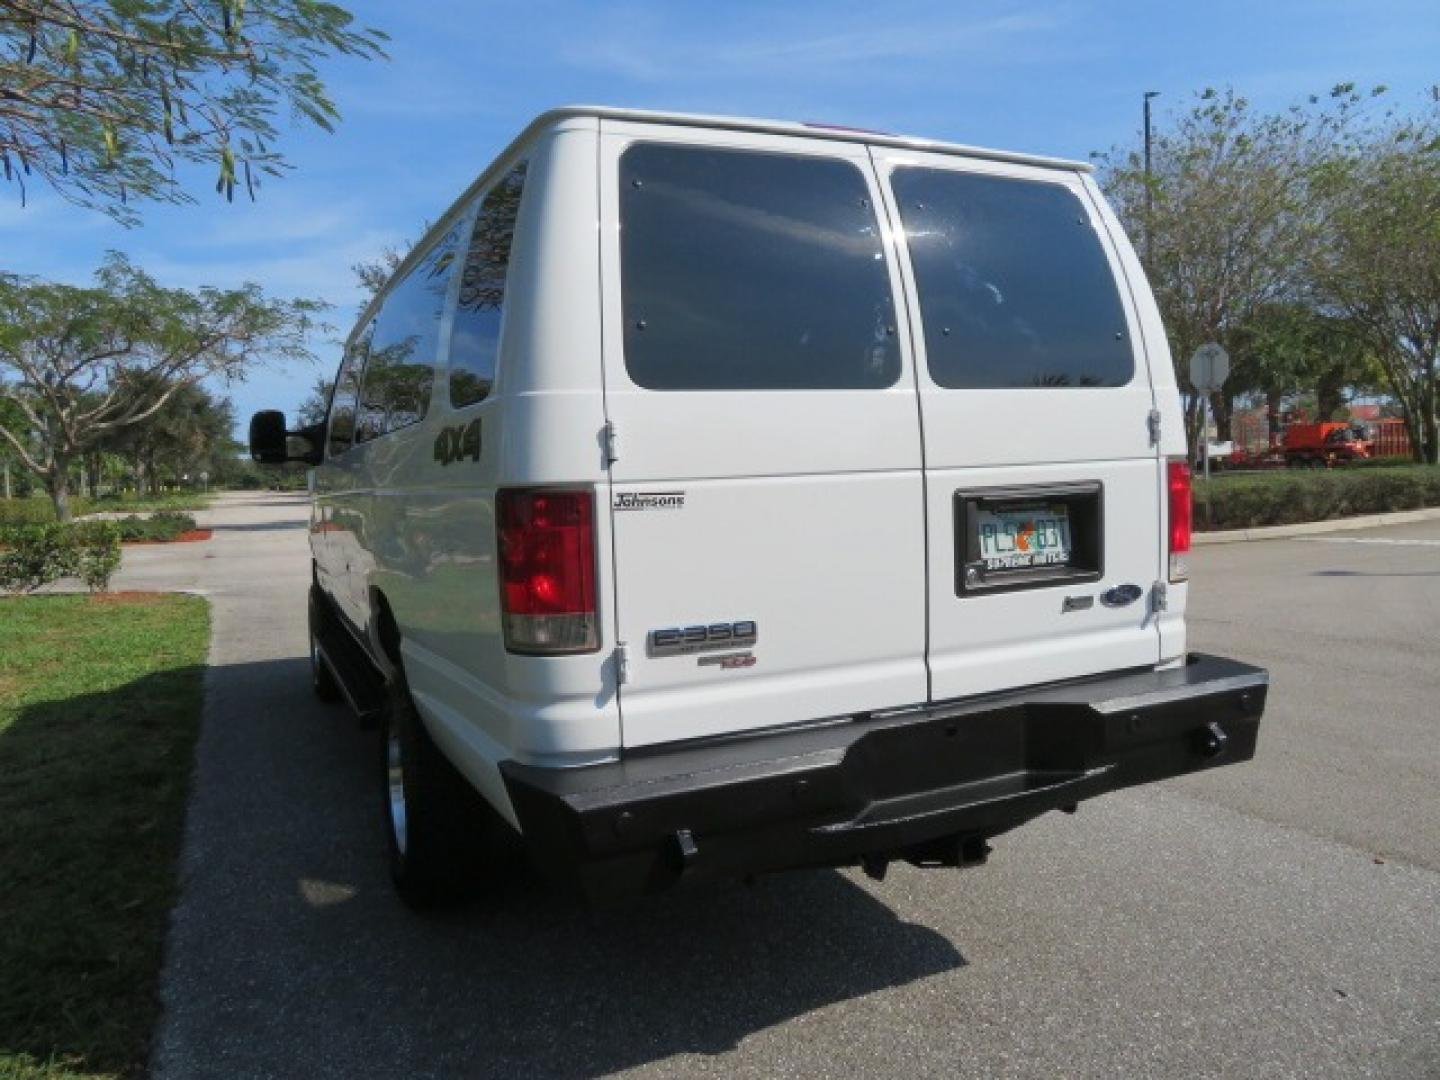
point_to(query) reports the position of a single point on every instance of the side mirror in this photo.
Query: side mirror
(267, 437)
(270, 442)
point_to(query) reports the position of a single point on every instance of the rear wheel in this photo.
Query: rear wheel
(444, 840)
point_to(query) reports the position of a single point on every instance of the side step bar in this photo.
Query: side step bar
(360, 682)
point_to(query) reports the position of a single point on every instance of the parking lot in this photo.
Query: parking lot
(1281, 918)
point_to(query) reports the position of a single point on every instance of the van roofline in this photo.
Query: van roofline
(811, 130)
(808, 129)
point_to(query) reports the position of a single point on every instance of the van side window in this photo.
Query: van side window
(475, 340)
(1015, 290)
(345, 396)
(744, 270)
(401, 368)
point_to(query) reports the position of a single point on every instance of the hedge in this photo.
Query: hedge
(1243, 501)
(38, 510)
(36, 555)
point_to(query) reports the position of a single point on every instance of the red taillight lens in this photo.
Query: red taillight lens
(1177, 480)
(547, 570)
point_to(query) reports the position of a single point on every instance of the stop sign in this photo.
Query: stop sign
(1209, 368)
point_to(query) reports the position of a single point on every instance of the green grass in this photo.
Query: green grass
(36, 509)
(99, 709)
(1287, 496)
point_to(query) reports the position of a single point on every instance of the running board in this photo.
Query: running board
(360, 682)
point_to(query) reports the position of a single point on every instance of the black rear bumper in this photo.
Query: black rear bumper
(926, 784)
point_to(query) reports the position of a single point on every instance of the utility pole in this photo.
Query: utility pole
(1149, 195)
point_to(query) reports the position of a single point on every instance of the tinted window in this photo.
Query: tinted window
(346, 394)
(752, 271)
(475, 341)
(1014, 287)
(401, 367)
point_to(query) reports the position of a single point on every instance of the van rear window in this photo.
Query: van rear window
(752, 271)
(1015, 290)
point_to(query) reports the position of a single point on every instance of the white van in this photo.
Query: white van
(717, 496)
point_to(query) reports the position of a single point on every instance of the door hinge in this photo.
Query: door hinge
(622, 663)
(612, 444)
(1160, 596)
(1154, 422)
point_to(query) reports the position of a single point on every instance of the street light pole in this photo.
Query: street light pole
(1149, 196)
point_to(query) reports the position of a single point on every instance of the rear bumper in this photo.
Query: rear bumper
(928, 784)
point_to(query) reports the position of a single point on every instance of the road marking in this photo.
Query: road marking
(1367, 540)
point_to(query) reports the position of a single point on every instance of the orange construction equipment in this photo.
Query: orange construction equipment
(1320, 445)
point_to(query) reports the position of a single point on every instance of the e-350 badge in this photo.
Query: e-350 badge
(684, 640)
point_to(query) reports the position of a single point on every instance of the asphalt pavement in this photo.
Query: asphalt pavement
(1280, 918)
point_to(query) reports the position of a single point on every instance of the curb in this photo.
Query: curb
(1281, 532)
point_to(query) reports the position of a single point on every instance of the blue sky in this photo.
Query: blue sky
(1062, 78)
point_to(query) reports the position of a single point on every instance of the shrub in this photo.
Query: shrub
(164, 525)
(26, 511)
(32, 556)
(97, 553)
(36, 555)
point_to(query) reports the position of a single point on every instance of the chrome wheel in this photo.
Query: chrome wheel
(395, 780)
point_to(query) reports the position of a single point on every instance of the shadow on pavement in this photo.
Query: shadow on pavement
(259, 526)
(287, 500)
(1375, 573)
(291, 955)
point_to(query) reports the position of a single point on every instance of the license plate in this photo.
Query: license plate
(1017, 538)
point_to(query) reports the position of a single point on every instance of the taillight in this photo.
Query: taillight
(1178, 482)
(547, 570)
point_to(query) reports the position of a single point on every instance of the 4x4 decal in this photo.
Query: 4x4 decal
(457, 442)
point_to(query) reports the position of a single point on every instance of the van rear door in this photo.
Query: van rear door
(1042, 481)
(767, 501)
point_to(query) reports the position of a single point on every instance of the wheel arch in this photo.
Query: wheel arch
(384, 633)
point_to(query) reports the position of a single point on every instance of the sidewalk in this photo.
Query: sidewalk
(1308, 528)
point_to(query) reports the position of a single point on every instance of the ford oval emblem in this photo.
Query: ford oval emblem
(1121, 595)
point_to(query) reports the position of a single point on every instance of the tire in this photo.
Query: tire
(322, 679)
(444, 841)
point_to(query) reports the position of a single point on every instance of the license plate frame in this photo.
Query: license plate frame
(1082, 504)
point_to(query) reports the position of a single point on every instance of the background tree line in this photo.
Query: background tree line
(106, 102)
(116, 368)
(1306, 242)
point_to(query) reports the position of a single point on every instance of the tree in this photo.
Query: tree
(373, 274)
(80, 364)
(314, 408)
(1225, 218)
(1296, 344)
(184, 436)
(10, 416)
(103, 98)
(1380, 264)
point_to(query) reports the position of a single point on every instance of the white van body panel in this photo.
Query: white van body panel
(802, 512)
(978, 439)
